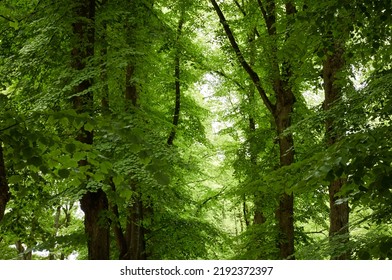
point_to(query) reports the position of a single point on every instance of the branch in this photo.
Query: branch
(11, 126)
(252, 74)
(7, 18)
(211, 198)
(269, 16)
(244, 14)
(224, 75)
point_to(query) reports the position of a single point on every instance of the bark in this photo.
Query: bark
(93, 203)
(4, 188)
(339, 213)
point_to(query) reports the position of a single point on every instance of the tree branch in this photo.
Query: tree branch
(7, 18)
(244, 14)
(269, 16)
(252, 74)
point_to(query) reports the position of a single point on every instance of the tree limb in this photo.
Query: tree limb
(252, 74)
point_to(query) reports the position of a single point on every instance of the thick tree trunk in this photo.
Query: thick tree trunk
(93, 204)
(339, 213)
(4, 189)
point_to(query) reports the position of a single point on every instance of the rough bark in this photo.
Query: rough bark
(4, 188)
(93, 203)
(339, 213)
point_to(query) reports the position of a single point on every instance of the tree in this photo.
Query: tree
(281, 110)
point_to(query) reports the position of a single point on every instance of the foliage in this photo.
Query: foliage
(204, 191)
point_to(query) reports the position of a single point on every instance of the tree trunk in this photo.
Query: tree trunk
(93, 203)
(23, 253)
(285, 211)
(339, 213)
(177, 84)
(135, 231)
(4, 188)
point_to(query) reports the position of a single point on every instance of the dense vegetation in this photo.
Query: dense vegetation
(180, 129)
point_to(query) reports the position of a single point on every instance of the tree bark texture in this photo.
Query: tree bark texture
(4, 188)
(93, 203)
(339, 213)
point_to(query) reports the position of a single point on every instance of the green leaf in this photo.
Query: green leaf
(28, 152)
(70, 148)
(15, 179)
(162, 178)
(36, 161)
(64, 173)
(89, 126)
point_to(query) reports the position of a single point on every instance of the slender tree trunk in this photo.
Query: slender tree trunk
(135, 231)
(285, 211)
(177, 84)
(339, 213)
(93, 204)
(23, 255)
(104, 75)
(258, 217)
(4, 189)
